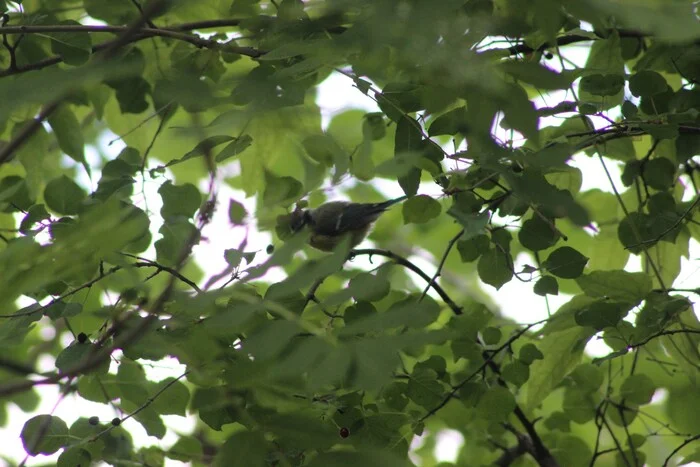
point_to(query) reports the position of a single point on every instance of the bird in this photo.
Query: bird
(334, 221)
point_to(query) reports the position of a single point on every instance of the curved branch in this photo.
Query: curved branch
(442, 261)
(681, 446)
(147, 263)
(398, 259)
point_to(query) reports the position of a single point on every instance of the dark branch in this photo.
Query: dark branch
(409, 265)
(681, 446)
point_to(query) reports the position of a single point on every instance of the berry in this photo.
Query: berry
(344, 432)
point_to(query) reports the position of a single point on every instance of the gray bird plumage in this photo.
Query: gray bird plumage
(332, 221)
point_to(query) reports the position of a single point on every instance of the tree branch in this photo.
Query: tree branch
(27, 131)
(681, 446)
(134, 35)
(140, 35)
(409, 265)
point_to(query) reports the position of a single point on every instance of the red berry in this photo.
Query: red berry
(344, 432)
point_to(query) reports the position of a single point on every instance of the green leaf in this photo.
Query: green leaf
(633, 232)
(74, 456)
(73, 47)
(546, 285)
(552, 155)
(14, 195)
(537, 75)
(659, 173)
(671, 22)
(516, 373)
(491, 335)
(587, 376)
(407, 140)
(605, 60)
(291, 299)
(578, 405)
(621, 149)
(173, 399)
(647, 83)
(44, 434)
(624, 286)
(374, 126)
(520, 113)
(64, 196)
(638, 389)
(132, 383)
(566, 262)
(280, 190)
(61, 309)
(473, 223)
(397, 99)
(363, 458)
(369, 287)
(572, 450)
(562, 352)
(469, 250)
(76, 354)
(186, 448)
(601, 315)
(424, 389)
(536, 234)
(420, 209)
(147, 417)
(602, 85)
(236, 212)
(203, 148)
(529, 353)
(494, 268)
(67, 129)
(325, 150)
(687, 145)
(496, 404)
(450, 123)
(179, 200)
(411, 312)
(237, 146)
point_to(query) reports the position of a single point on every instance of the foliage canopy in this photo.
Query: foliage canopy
(486, 109)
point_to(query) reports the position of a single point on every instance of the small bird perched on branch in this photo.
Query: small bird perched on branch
(331, 222)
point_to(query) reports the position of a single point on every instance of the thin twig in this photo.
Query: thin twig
(148, 402)
(671, 228)
(442, 262)
(681, 446)
(481, 368)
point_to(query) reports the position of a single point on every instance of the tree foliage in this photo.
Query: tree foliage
(485, 110)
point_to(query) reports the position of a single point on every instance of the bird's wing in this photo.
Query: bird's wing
(350, 216)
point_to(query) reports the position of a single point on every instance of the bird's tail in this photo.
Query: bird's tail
(391, 202)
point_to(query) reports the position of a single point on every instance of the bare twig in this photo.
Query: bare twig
(681, 446)
(442, 261)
